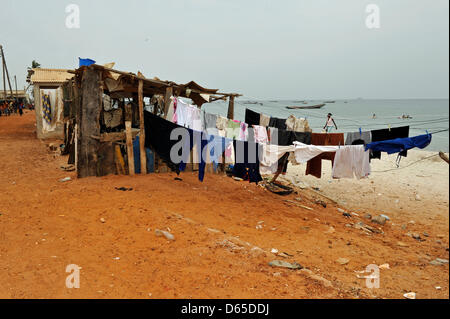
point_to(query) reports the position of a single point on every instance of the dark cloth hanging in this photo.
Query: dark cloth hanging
(400, 144)
(247, 161)
(314, 166)
(157, 132)
(389, 134)
(199, 140)
(286, 138)
(302, 137)
(280, 137)
(157, 137)
(278, 123)
(252, 117)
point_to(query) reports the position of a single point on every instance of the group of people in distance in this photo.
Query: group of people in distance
(13, 107)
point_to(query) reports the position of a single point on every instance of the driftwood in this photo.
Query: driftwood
(443, 156)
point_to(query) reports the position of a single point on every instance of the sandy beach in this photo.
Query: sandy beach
(418, 188)
(225, 232)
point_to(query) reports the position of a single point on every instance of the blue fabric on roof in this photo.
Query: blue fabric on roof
(86, 62)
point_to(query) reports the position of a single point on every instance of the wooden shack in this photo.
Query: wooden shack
(98, 150)
(48, 81)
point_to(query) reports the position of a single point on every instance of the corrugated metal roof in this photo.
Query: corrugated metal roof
(50, 75)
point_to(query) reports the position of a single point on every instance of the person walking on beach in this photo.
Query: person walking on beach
(330, 123)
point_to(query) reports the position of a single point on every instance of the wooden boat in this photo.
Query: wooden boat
(306, 107)
(329, 102)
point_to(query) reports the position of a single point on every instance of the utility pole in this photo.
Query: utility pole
(5, 69)
(4, 79)
(15, 81)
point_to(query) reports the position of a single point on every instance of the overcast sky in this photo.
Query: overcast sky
(261, 48)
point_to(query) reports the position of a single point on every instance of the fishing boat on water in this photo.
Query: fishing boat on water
(305, 107)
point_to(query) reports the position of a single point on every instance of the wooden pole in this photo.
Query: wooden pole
(129, 139)
(444, 157)
(89, 124)
(143, 155)
(15, 81)
(4, 73)
(167, 101)
(231, 107)
(120, 163)
(5, 68)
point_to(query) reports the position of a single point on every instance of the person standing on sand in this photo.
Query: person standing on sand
(21, 106)
(330, 123)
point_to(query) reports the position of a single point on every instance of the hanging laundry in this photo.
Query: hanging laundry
(264, 120)
(194, 118)
(229, 152)
(251, 117)
(157, 137)
(304, 153)
(217, 146)
(270, 157)
(400, 144)
(389, 134)
(210, 121)
(197, 140)
(357, 138)
(247, 161)
(175, 114)
(233, 129)
(243, 133)
(181, 112)
(279, 137)
(260, 134)
(46, 109)
(278, 123)
(222, 125)
(303, 137)
(314, 166)
(350, 161)
(297, 124)
(296, 137)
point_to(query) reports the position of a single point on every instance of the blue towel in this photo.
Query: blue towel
(400, 144)
(86, 62)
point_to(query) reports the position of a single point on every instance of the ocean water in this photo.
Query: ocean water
(430, 115)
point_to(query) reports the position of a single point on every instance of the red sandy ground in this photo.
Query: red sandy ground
(46, 225)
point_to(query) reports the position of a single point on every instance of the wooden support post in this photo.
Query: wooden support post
(38, 110)
(231, 108)
(120, 163)
(143, 154)
(129, 140)
(169, 93)
(89, 123)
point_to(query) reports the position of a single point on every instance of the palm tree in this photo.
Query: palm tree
(34, 65)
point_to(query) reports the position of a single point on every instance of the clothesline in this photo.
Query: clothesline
(348, 160)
